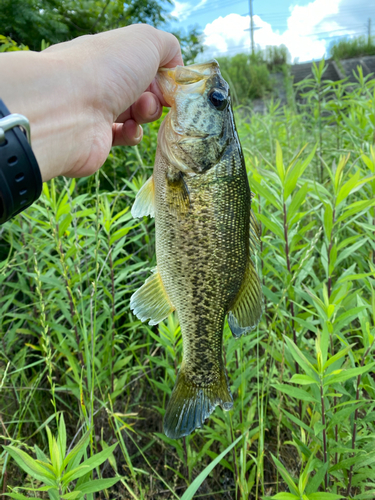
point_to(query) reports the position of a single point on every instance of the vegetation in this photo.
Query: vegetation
(250, 76)
(76, 364)
(31, 21)
(353, 47)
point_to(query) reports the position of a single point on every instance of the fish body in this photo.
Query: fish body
(201, 200)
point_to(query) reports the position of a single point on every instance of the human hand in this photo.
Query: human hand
(84, 96)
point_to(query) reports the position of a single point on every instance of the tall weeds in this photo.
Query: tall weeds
(302, 425)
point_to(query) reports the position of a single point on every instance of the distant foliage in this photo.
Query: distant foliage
(352, 47)
(191, 42)
(248, 77)
(9, 45)
(276, 56)
(31, 21)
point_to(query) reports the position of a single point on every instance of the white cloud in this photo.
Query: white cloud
(310, 29)
(182, 10)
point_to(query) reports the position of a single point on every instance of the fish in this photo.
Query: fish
(205, 237)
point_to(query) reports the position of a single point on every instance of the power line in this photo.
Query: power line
(246, 46)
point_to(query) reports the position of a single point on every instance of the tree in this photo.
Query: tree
(29, 22)
(191, 44)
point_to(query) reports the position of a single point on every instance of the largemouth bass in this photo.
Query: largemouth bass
(205, 235)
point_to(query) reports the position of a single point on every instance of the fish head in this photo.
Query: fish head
(199, 126)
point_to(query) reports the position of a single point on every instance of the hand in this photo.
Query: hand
(84, 96)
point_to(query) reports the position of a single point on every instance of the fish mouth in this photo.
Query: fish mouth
(191, 79)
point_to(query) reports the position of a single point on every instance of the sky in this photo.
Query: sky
(306, 27)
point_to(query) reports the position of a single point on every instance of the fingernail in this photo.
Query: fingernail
(140, 134)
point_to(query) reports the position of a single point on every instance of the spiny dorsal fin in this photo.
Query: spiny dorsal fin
(248, 306)
(177, 195)
(190, 405)
(145, 200)
(151, 301)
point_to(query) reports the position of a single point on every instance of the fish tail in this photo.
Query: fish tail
(190, 405)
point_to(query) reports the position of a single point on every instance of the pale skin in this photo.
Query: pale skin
(84, 96)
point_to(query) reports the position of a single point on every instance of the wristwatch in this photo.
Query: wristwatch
(20, 177)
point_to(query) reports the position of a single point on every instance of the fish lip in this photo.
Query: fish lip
(191, 78)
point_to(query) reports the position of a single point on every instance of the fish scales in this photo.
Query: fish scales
(200, 197)
(202, 256)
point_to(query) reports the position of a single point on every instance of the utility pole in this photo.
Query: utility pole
(251, 27)
(369, 31)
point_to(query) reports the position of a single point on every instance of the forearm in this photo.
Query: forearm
(34, 85)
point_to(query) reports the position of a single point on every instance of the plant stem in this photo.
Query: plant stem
(186, 460)
(356, 417)
(113, 315)
(291, 305)
(324, 433)
(238, 493)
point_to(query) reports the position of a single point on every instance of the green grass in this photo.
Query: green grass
(302, 382)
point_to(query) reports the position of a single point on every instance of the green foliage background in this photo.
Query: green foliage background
(302, 426)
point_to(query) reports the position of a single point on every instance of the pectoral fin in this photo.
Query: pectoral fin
(177, 195)
(145, 200)
(151, 301)
(247, 309)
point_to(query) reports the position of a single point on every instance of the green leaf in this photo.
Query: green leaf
(333, 378)
(296, 202)
(62, 437)
(97, 485)
(30, 466)
(337, 356)
(297, 421)
(82, 443)
(279, 162)
(317, 480)
(17, 496)
(286, 476)
(89, 464)
(72, 496)
(272, 226)
(295, 393)
(304, 363)
(328, 220)
(285, 496)
(303, 379)
(324, 496)
(189, 493)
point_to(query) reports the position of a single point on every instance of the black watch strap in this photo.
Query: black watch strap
(20, 177)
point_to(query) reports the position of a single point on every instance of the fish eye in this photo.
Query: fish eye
(218, 99)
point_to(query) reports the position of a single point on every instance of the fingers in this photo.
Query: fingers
(128, 133)
(146, 109)
(169, 50)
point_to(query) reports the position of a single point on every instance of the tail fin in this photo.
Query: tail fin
(190, 405)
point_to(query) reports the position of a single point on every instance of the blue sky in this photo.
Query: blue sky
(306, 27)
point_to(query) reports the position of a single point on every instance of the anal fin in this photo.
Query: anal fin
(151, 301)
(145, 200)
(247, 309)
(190, 405)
